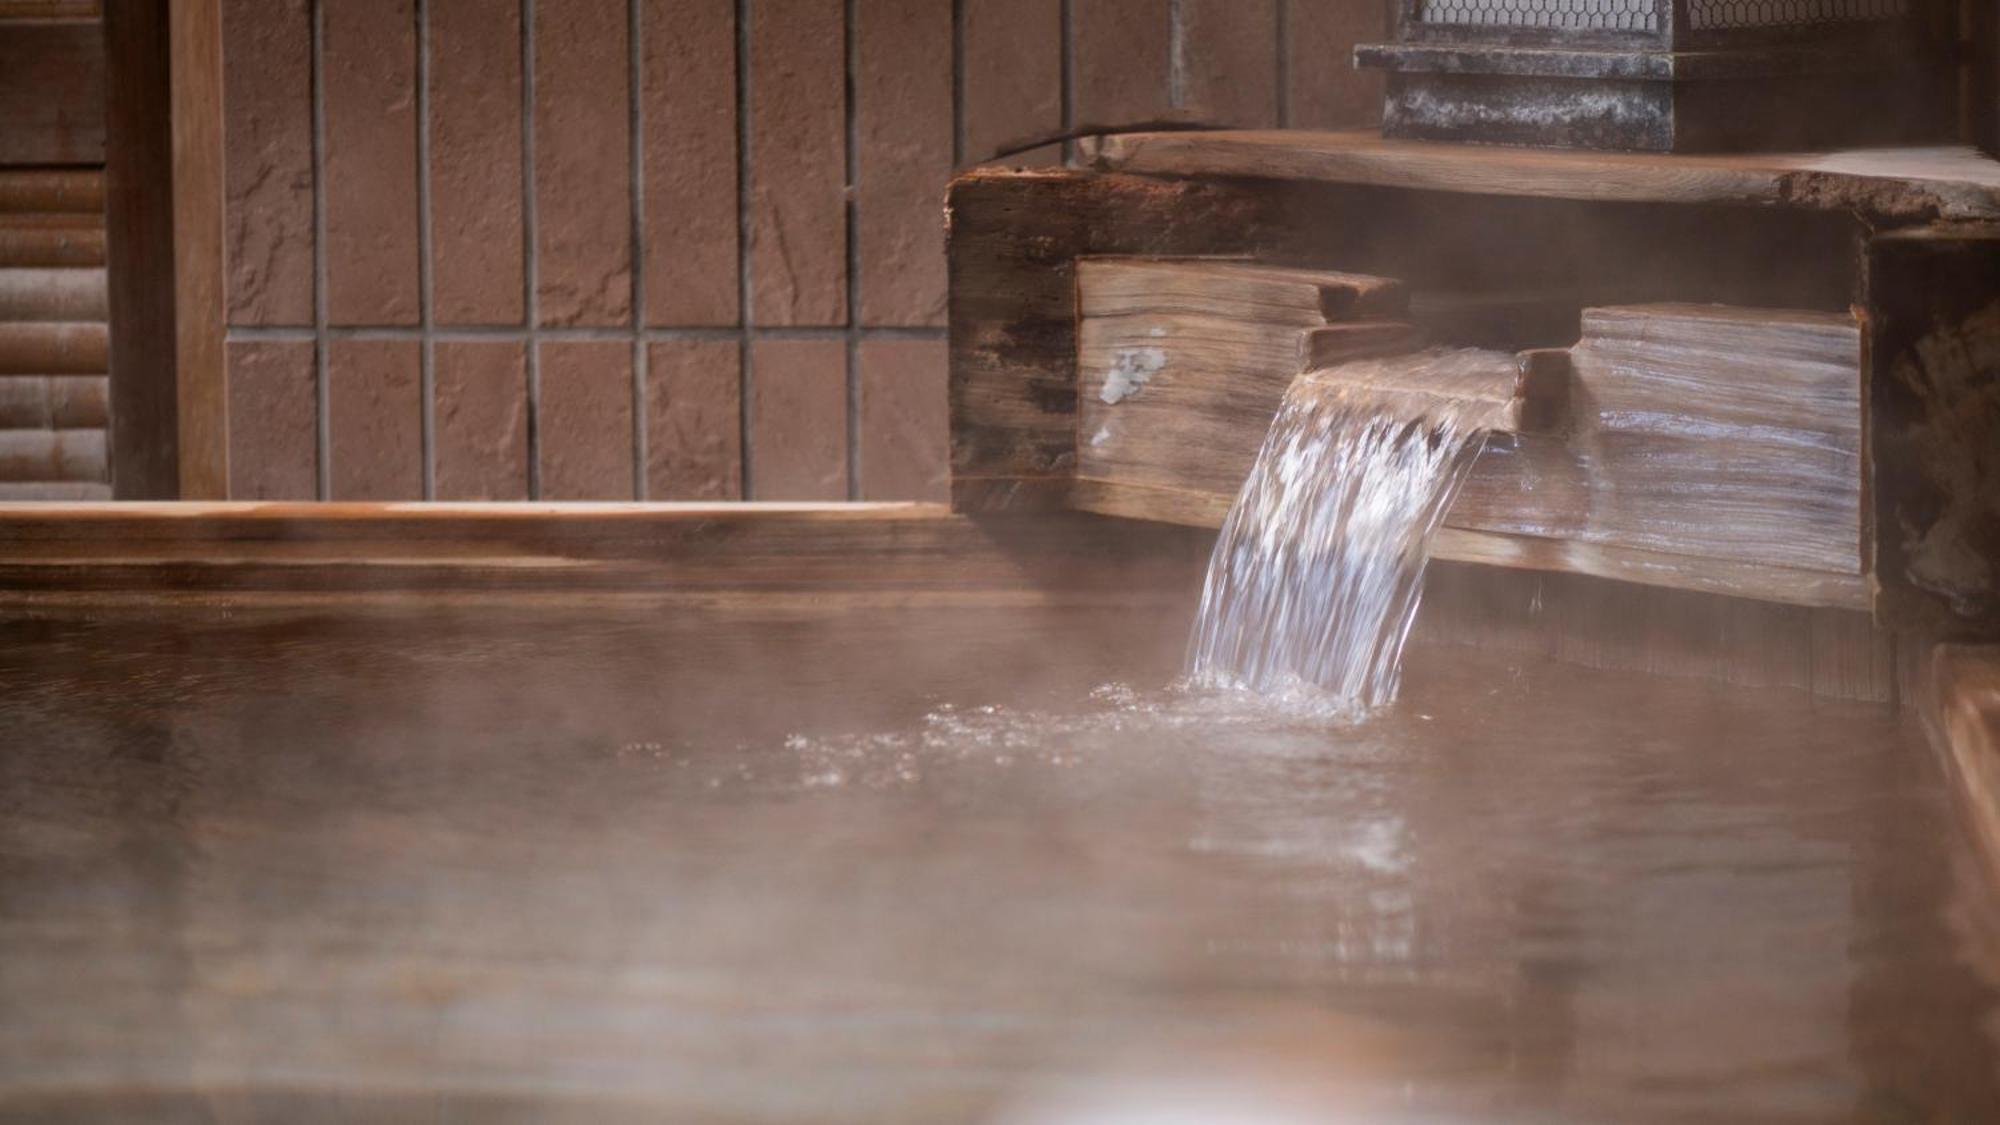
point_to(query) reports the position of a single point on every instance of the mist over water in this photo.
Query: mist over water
(1317, 573)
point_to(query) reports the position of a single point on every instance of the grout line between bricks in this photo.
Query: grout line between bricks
(1066, 65)
(747, 378)
(853, 170)
(530, 255)
(322, 392)
(636, 114)
(427, 371)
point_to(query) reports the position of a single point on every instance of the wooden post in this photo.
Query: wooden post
(163, 227)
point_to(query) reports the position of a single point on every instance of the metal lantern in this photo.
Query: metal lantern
(1669, 75)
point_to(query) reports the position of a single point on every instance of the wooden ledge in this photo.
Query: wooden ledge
(734, 554)
(1897, 184)
(1962, 711)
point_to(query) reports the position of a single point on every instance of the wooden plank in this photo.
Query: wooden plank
(1933, 399)
(52, 92)
(53, 348)
(1182, 364)
(54, 294)
(892, 554)
(46, 246)
(201, 390)
(53, 455)
(1900, 185)
(1014, 240)
(1961, 708)
(54, 402)
(139, 245)
(76, 190)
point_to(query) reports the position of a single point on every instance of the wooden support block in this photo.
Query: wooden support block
(1181, 364)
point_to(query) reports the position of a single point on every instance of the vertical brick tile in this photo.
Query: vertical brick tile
(368, 58)
(1227, 71)
(694, 421)
(480, 444)
(375, 419)
(1119, 54)
(1326, 91)
(905, 439)
(273, 420)
(586, 419)
(798, 210)
(798, 419)
(902, 117)
(267, 160)
(1012, 78)
(688, 161)
(583, 163)
(475, 161)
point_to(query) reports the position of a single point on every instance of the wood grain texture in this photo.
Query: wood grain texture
(201, 262)
(1014, 239)
(139, 244)
(52, 92)
(1906, 185)
(1961, 708)
(1182, 364)
(762, 554)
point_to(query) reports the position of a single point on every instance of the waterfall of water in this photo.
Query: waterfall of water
(1317, 573)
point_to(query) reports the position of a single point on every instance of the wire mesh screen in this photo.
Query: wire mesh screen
(1717, 15)
(1559, 15)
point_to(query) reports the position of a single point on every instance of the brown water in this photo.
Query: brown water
(521, 865)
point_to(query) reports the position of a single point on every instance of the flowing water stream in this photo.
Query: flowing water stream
(1319, 567)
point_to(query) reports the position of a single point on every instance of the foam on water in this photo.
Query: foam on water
(1317, 573)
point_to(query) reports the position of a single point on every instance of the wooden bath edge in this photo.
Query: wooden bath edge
(1961, 715)
(736, 554)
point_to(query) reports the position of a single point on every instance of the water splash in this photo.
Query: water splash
(1319, 568)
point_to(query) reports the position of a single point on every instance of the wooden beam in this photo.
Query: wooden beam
(201, 395)
(1961, 708)
(138, 227)
(744, 554)
(1896, 185)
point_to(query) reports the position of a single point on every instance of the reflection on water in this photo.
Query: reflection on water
(942, 867)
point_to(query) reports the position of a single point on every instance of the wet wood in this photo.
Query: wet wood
(1961, 707)
(1934, 420)
(741, 553)
(51, 91)
(1181, 364)
(1902, 184)
(1014, 240)
(1695, 447)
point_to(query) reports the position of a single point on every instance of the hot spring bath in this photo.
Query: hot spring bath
(796, 864)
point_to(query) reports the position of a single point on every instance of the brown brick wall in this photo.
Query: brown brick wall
(661, 249)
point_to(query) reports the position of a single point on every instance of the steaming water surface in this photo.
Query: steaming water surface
(575, 865)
